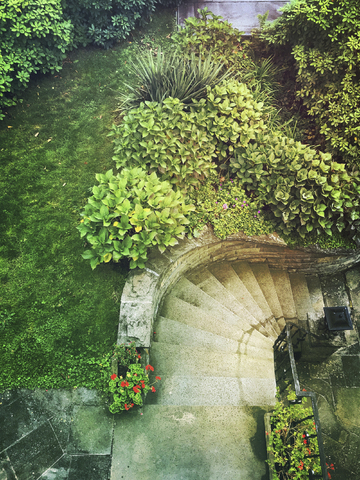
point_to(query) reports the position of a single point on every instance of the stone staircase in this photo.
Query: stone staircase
(212, 347)
(211, 344)
(216, 329)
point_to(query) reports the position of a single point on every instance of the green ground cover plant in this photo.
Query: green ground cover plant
(59, 318)
(225, 206)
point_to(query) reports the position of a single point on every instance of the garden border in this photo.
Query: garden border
(145, 288)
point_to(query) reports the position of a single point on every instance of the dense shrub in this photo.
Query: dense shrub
(171, 75)
(104, 22)
(34, 38)
(305, 190)
(233, 116)
(324, 38)
(165, 139)
(182, 145)
(210, 34)
(130, 212)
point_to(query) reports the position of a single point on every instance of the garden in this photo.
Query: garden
(130, 135)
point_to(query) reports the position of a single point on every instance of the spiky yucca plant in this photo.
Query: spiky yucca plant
(171, 75)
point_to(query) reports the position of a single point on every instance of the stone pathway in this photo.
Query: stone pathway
(55, 435)
(242, 14)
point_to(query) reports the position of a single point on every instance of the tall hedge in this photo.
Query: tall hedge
(103, 22)
(34, 38)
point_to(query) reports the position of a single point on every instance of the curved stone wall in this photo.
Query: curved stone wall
(144, 289)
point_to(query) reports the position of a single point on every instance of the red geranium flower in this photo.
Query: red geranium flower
(126, 407)
(136, 389)
(158, 378)
(124, 384)
(329, 475)
(149, 367)
(301, 466)
(139, 356)
(113, 376)
(153, 389)
(142, 383)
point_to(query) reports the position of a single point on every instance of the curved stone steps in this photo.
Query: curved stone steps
(216, 327)
(172, 359)
(235, 328)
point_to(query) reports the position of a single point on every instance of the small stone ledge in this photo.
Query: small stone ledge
(145, 289)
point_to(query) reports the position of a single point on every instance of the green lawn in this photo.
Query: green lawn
(58, 318)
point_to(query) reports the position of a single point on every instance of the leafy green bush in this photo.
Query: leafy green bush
(166, 139)
(128, 213)
(325, 41)
(104, 22)
(306, 190)
(209, 34)
(171, 75)
(181, 144)
(34, 38)
(225, 206)
(233, 116)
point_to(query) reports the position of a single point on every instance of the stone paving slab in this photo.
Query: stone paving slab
(34, 453)
(55, 435)
(190, 443)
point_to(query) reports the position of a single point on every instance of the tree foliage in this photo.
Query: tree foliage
(104, 22)
(324, 39)
(34, 38)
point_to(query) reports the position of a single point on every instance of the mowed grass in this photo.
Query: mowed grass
(58, 318)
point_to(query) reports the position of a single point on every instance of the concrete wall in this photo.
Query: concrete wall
(144, 289)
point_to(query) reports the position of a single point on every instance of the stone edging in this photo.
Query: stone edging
(145, 289)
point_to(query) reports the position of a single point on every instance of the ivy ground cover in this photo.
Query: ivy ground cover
(58, 318)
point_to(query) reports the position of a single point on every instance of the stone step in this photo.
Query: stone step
(316, 297)
(183, 312)
(190, 293)
(206, 281)
(246, 275)
(228, 277)
(211, 390)
(284, 293)
(266, 283)
(180, 360)
(301, 296)
(190, 443)
(172, 331)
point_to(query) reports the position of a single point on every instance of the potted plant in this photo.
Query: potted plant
(291, 440)
(131, 383)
